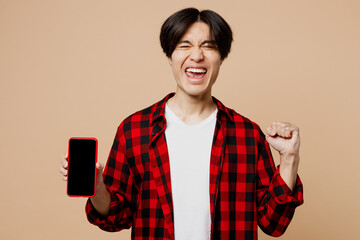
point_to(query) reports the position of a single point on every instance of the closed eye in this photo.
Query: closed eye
(184, 46)
(209, 46)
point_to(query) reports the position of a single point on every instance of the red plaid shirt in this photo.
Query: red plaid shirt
(246, 189)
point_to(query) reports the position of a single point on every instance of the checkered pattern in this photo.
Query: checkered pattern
(246, 189)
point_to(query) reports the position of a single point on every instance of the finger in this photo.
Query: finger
(63, 171)
(291, 130)
(99, 166)
(99, 173)
(65, 178)
(270, 131)
(273, 125)
(66, 157)
(64, 163)
(274, 129)
(283, 129)
(296, 131)
(287, 132)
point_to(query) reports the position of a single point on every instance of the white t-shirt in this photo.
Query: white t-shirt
(189, 149)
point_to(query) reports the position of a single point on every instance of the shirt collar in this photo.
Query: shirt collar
(158, 110)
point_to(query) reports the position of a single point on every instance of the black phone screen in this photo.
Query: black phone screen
(82, 167)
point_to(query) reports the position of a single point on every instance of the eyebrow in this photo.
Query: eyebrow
(202, 43)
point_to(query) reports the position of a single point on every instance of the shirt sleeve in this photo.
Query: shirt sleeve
(276, 202)
(120, 184)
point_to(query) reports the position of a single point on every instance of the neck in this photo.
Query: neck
(192, 109)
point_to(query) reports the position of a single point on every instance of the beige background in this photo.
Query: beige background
(78, 68)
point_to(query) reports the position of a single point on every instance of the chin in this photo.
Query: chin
(196, 91)
(195, 88)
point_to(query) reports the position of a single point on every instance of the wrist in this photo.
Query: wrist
(288, 169)
(289, 165)
(101, 201)
(101, 189)
(289, 160)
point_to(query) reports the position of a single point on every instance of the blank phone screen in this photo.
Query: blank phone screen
(81, 168)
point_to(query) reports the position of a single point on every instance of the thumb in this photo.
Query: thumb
(273, 141)
(270, 132)
(269, 139)
(99, 174)
(99, 166)
(99, 169)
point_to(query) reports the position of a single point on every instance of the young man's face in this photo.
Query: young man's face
(196, 61)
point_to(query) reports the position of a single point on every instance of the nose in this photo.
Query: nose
(196, 54)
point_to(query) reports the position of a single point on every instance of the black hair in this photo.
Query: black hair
(178, 23)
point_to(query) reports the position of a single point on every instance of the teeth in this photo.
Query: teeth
(196, 70)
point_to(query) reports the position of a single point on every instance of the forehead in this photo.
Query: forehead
(197, 31)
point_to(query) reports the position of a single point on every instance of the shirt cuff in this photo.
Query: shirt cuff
(95, 218)
(283, 194)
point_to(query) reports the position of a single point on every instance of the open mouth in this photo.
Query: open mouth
(197, 73)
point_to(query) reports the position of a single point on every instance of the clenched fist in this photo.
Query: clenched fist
(284, 137)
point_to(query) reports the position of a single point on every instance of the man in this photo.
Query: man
(188, 167)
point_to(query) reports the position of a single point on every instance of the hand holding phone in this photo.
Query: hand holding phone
(101, 198)
(81, 167)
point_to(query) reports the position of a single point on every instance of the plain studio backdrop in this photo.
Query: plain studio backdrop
(78, 68)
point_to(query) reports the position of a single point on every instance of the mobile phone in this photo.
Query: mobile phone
(81, 179)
